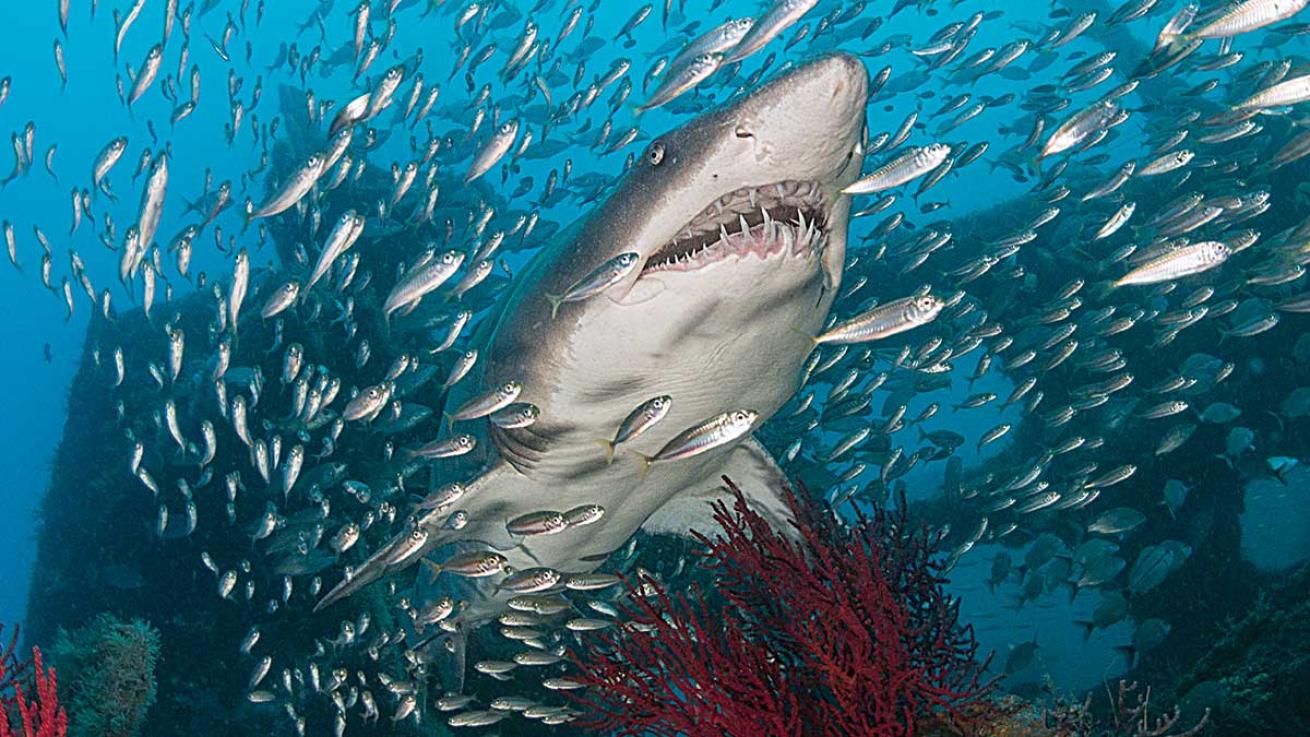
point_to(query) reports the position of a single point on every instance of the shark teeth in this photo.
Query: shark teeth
(788, 217)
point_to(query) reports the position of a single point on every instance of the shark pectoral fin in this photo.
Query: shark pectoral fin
(753, 470)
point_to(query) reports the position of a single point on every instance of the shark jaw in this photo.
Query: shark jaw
(790, 218)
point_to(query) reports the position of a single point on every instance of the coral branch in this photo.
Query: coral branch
(685, 676)
(39, 717)
(11, 668)
(832, 629)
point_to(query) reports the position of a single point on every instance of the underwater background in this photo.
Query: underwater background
(1185, 571)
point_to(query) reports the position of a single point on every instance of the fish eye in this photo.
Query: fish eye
(655, 154)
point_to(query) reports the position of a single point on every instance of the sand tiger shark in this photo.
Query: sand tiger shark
(741, 232)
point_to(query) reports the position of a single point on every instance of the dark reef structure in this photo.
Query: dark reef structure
(831, 629)
(1255, 675)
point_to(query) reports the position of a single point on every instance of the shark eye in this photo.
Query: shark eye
(655, 154)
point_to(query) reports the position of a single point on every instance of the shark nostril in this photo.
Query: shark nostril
(744, 132)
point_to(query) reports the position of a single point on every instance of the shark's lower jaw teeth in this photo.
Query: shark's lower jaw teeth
(788, 218)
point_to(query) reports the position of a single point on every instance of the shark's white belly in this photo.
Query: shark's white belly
(712, 356)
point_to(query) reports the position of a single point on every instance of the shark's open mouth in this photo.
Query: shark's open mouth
(788, 217)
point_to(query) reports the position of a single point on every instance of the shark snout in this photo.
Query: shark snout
(812, 118)
(843, 80)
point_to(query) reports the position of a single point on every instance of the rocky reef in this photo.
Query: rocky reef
(1256, 676)
(108, 671)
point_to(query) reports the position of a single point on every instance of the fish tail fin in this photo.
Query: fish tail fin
(646, 461)
(609, 450)
(435, 568)
(814, 341)
(555, 301)
(1086, 627)
(1102, 289)
(1129, 652)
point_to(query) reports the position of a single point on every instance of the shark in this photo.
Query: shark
(740, 229)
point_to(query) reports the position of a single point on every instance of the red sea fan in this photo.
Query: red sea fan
(686, 675)
(840, 630)
(39, 717)
(11, 669)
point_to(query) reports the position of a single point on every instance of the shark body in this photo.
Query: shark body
(741, 231)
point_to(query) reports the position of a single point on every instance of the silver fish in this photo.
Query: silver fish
(910, 165)
(598, 280)
(1177, 263)
(717, 40)
(422, 279)
(683, 78)
(715, 432)
(488, 402)
(344, 234)
(884, 321)
(145, 76)
(292, 190)
(777, 19)
(493, 150)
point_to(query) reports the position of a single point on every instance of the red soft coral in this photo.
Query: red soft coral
(39, 717)
(836, 629)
